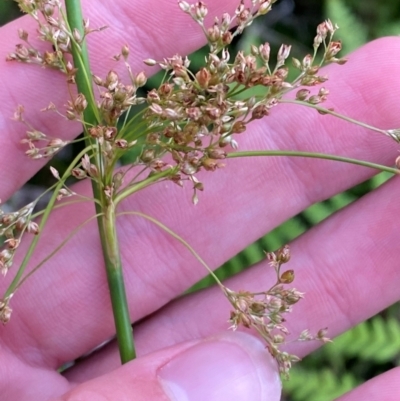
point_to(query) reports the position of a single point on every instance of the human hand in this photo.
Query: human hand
(63, 311)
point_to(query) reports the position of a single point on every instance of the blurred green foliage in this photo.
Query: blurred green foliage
(373, 346)
(8, 11)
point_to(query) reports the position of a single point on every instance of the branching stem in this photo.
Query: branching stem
(106, 210)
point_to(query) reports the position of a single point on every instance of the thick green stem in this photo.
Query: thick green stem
(106, 220)
(112, 257)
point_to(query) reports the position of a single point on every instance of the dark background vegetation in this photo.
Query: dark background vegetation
(374, 346)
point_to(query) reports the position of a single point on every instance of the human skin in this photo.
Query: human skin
(347, 265)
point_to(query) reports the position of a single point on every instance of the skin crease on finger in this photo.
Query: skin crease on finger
(50, 319)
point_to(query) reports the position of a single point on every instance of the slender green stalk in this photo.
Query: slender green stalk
(323, 110)
(15, 282)
(294, 153)
(142, 184)
(106, 220)
(177, 237)
(54, 251)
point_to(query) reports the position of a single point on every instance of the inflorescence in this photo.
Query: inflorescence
(189, 124)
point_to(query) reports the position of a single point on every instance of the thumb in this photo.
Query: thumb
(229, 366)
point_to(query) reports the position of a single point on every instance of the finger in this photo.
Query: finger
(134, 23)
(78, 284)
(27, 382)
(385, 387)
(347, 266)
(225, 367)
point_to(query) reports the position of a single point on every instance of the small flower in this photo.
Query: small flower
(333, 49)
(264, 51)
(184, 6)
(32, 228)
(302, 94)
(141, 79)
(287, 277)
(199, 11)
(150, 62)
(203, 77)
(5, 310)
(283, 54)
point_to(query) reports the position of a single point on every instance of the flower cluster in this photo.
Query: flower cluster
(34, 136)
(12, 227)
(264, 311)
(52, 28)
(191, 122)
(195, 117)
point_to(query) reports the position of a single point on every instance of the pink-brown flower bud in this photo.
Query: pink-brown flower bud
(227, 38)
(302, 94)
(214, 33)
(203, 77)
(112, 80)
(78, 173)
(334, 49)
(238, 127)
(32, 228)
(122, 143)
(150, 62)
(140, 79)
(77, 35)
(287, 277)
(265, 50)
(23, 35)
(209, 164)
(259, 111)
(80, 103)
(217, 153)
(184, 6)
(200, 10)
(283, 53)
(265, 7)
(125, 51)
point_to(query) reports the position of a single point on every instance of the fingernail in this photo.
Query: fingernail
(231, 366)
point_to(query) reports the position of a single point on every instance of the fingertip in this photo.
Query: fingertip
(229, 366)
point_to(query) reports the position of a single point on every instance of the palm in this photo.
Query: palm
(63, 311)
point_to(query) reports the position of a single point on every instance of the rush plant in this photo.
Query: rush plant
(192, 123)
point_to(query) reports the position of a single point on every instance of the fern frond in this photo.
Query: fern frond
(375, 340)
(317, 385)
(353, 32)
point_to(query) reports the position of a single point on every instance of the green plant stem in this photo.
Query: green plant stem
(54, 251)
(106, 220)
(129, 190)
(178, 238)
(323, 110)
(15, 282)
(112, 257)
(313, 155)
